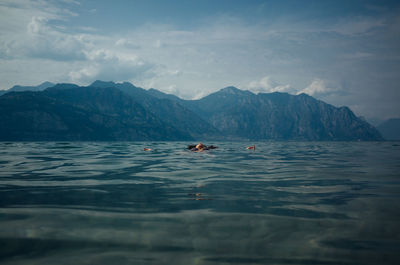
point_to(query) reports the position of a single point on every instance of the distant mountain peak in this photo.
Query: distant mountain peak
(62, 86)
(230, 88)
(108, 84)
(42, 86)
(102, 84)
(46, 84)
(303, 95)
(233, 90)
(161, 95)
(121, 111)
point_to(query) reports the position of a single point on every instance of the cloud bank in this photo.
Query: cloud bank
(268, 85)
(345, 58)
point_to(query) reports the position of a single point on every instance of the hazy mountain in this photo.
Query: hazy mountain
(390, 129)
(122, 111)
(158, 94)
(16, 88)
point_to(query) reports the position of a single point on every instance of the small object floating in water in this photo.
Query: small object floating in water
(203, 199)
(199, 197)
(147, 149)
(251, 147)
(195, 194)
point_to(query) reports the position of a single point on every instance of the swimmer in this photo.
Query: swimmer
(200, 147)
(251, 147)
(147, 149)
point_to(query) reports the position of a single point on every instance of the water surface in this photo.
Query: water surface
(284, 203)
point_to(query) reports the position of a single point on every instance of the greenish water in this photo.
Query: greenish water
(284, 203)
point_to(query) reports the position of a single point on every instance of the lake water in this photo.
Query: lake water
(284, 203)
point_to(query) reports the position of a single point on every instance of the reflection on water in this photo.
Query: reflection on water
(285, 203)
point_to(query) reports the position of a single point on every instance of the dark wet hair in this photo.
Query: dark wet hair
(192, 146)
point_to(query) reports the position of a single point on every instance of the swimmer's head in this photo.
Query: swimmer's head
(200, 146)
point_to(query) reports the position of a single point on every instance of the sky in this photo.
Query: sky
(346, 53)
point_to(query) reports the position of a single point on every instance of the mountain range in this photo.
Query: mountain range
(16, 88)
(108, 111)
(390, 129)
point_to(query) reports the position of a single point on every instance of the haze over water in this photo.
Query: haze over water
(284, 203)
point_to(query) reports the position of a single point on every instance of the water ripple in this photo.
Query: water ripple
(324, 203)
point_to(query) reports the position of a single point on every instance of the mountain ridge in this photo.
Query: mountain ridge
(80, 113)
(140, 114)
(18, 88)
(390, 129)
(282, 116)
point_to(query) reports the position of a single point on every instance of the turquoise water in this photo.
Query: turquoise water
(284, 203)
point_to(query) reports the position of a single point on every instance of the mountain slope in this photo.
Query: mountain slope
(390, 129)
(280, 116)
(17, 88)
(170, 111)
(121, 111)
(69, 112)
(161, 95)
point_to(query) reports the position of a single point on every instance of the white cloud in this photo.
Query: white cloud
(41, 40)
(110, 65)
(44, 41)
(85, 74)
(124, 43)
(357, 25)
(29, 34)
(268, 85)
(201, 94)
(358, 55)
(82, 57)
(317, 87)
(36, 25)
